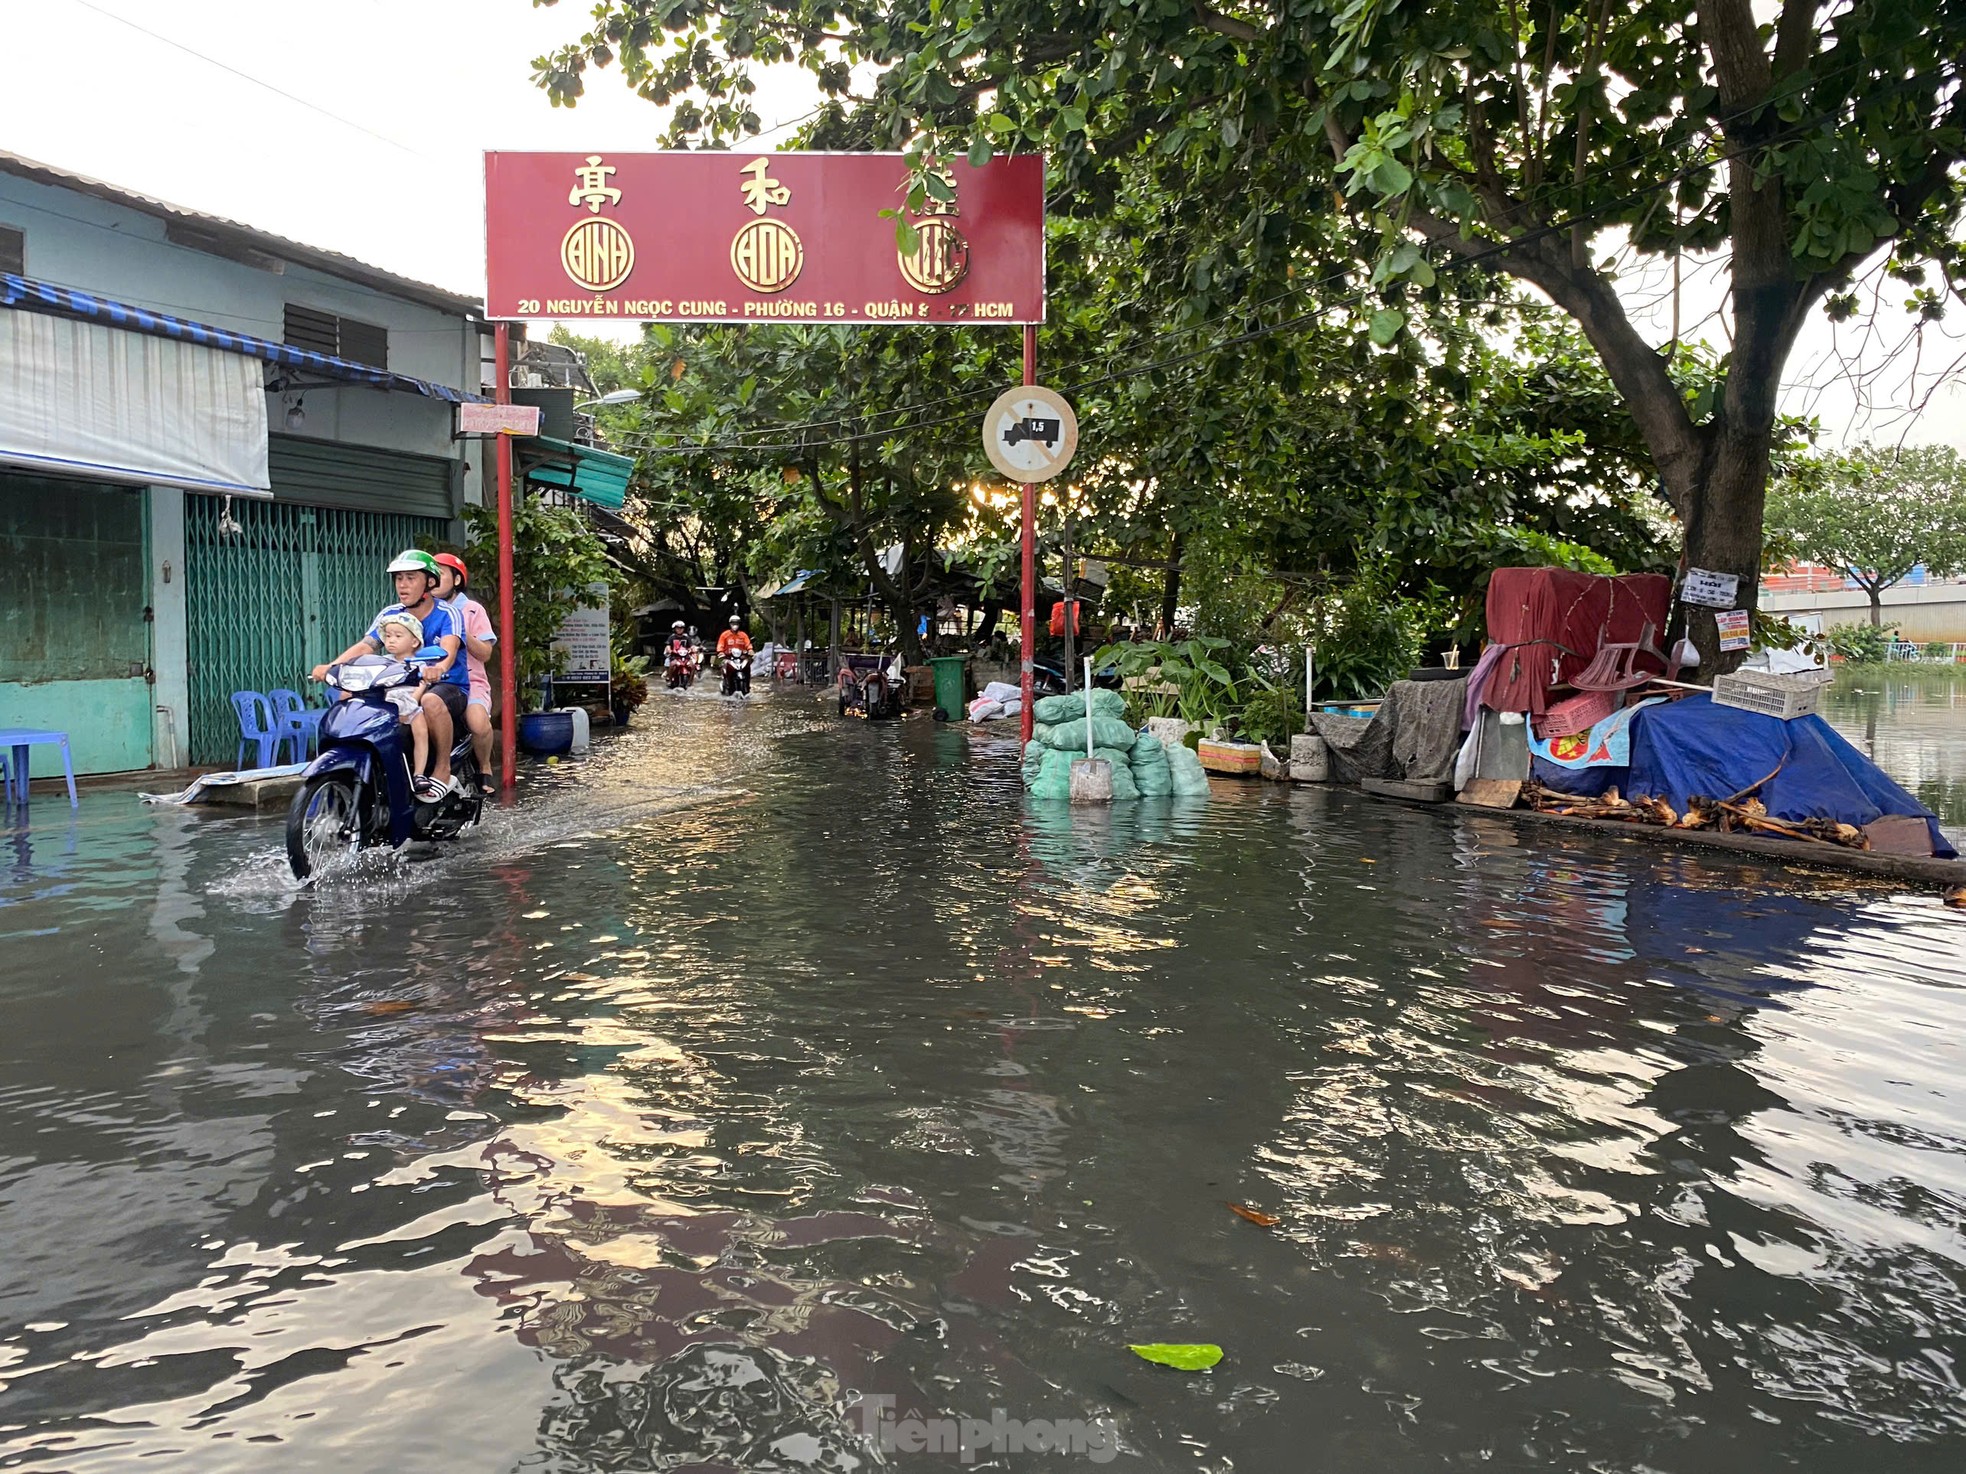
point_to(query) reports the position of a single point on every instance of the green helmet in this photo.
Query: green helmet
(414, 560)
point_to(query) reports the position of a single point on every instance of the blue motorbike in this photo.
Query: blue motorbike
(357, 794)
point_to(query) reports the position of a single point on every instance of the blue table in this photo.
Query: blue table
(20, 739)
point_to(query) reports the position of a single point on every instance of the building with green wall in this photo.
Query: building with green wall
(211, 441)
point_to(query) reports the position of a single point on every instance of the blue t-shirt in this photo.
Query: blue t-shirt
(436, 624)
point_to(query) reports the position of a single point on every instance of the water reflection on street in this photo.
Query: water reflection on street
(1913, 726)
(766, 1063)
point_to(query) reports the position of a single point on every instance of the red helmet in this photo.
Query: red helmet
(456, 565)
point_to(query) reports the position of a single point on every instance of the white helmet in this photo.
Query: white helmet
(677, 625)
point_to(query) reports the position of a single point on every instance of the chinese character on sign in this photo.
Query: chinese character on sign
(593, 187)
(761, 192)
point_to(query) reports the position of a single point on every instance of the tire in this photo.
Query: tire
(323, 822)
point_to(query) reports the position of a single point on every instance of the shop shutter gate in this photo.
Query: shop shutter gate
(264, 605)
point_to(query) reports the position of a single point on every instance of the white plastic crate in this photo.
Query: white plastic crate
(1786, 697)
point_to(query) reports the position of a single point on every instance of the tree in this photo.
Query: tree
(1486, 136)
(1876, 514)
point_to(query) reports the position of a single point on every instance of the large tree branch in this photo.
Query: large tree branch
(1224, 25)
(1795, 36)
(1638, 371)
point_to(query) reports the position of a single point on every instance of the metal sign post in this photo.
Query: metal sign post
(1029, 638)
(508, 684)
(1030, 435)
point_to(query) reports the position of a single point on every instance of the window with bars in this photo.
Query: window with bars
(13, 250)
(339, 337)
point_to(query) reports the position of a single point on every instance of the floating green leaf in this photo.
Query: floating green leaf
(1189, 1357)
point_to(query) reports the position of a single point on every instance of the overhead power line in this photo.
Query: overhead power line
(259, 82)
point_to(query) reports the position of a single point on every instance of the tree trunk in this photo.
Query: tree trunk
(1876, 607)
(1723, 532)
(1170, 595)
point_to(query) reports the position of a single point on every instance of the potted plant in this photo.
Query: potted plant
(629, 686)
(1185, 680)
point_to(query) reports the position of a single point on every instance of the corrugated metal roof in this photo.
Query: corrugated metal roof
(598, 475)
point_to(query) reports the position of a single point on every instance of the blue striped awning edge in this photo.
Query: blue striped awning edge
(29, 295)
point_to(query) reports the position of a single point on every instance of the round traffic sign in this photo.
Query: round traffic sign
(1030, 433)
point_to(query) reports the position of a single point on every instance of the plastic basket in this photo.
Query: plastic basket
(1786, 697)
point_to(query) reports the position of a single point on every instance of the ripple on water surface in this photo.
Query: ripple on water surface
(766, 1066)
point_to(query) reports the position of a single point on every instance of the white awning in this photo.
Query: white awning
(81, 399)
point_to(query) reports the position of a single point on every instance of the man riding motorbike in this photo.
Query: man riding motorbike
(735, 639)
(442, 690)
(679, 655)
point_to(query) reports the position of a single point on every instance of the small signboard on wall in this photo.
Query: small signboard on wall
(583, 641)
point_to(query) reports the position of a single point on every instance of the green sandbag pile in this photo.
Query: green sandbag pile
(1142, 767)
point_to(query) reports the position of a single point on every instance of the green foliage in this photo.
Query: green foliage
(1861, 644)
(1874, 513)
(556, 556)
(1182, 678)
(1330, 164)
(1272, 716)
(1366, 639)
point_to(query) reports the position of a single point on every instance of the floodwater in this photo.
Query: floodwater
(769, 1088)
(1914, 727)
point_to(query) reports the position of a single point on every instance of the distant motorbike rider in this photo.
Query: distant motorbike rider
(680, 646)
(734, 638)
(734, 651)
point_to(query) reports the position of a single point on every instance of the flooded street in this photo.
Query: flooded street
(1913, 725)
(767, 1066)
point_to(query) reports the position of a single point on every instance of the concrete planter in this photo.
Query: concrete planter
(1310, 759)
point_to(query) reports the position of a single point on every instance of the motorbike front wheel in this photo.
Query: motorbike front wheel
(324, 822)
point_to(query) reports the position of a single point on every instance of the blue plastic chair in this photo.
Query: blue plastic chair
(297, 721)
(258, 729)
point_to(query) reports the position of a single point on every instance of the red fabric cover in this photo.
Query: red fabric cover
(1580, 612)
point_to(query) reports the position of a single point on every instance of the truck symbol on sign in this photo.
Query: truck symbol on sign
(1033, 428)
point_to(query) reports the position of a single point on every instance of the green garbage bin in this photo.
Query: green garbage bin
(951, 672)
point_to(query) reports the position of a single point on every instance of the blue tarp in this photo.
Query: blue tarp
(1693, 747)
(39, 296)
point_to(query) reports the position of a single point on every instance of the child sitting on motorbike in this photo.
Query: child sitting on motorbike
(402, 638)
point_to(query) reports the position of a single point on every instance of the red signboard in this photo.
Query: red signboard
(740, 237)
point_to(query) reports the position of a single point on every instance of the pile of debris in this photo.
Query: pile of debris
(1740, 813)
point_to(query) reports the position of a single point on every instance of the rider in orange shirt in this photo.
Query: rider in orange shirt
(734, 637)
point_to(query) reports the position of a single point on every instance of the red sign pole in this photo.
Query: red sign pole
(1030, 545)
(508, 685)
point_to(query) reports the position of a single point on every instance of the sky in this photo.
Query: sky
(359, 127)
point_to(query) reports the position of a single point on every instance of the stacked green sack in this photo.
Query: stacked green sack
(1189, 778)
(1055, 709)
(1048, 770)
(1151, 773)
